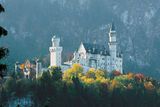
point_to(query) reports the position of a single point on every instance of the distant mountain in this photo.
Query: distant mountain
(31, 24)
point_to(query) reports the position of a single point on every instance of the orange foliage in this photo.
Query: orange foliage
(130, 75)
(22, 66)
(149, 86)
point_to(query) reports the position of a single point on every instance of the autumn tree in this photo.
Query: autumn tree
(75, 71)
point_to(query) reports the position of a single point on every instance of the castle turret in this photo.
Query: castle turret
(38, 67)
(112, 41)
(55, 52)
(112, 47)
(16, 66)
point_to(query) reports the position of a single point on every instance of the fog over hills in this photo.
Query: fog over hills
(31, 24)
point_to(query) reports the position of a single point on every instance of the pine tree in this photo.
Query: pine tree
(3, 51)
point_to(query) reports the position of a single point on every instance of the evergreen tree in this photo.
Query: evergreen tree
(56, 73)
(3, 50)
(3, 53)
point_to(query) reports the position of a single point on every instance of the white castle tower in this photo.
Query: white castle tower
(55, 52)
(112, 47)
(115, 61)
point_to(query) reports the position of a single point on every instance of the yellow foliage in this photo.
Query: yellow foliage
(91, 73)
(114, 84)
(77, 68)
(83, 78)
(89, 80)
(130, 75)
(75, 71)
(67, 75)
(92, 69)
(100, 73)
(93, 76)
(102, 80)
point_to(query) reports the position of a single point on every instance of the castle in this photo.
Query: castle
(89, 55)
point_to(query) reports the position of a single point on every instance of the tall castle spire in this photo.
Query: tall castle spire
(112, 47)
(112, 41)
(112, 27)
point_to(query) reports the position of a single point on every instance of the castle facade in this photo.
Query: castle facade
(105, 57)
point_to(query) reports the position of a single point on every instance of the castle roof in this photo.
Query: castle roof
(96, 49)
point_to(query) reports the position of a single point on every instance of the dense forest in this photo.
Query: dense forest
(74, 88)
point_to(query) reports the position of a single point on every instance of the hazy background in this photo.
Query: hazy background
(31, 23)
